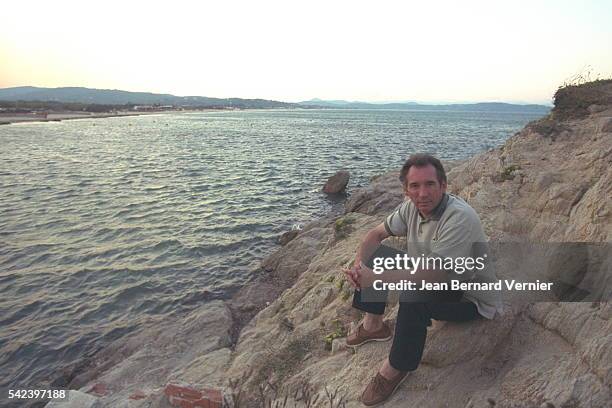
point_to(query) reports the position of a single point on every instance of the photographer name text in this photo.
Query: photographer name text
(509, 284)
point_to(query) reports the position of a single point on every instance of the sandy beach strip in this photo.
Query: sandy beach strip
(7, 119)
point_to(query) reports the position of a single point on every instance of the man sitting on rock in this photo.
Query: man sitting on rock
(436, 225)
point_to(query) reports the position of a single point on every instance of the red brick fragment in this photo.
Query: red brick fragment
(183, 396)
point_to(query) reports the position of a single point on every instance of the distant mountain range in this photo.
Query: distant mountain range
(481, 106)
(335, 103)
(117, 97)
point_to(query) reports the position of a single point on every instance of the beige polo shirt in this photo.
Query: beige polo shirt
(452, 231)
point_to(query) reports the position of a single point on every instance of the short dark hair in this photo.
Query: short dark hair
(422, 160)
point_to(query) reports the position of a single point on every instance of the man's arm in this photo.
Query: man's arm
(370, 243)
(366, 249)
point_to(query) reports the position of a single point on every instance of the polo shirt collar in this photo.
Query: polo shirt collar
(436, 214)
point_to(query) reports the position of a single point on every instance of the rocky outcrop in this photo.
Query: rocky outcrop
(134, 373)
(545, 187)
(551, 182)
(550, 185)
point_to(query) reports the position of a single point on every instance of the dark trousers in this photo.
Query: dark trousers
(413, 316)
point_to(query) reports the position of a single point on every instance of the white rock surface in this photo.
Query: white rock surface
(76, 399)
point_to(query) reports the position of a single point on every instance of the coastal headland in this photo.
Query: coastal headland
(280, 339)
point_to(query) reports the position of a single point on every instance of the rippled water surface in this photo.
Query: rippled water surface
(108, 222)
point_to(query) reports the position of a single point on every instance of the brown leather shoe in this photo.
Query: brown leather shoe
(379, 389)
(362, 336)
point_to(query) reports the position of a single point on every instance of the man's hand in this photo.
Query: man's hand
(360, 276)
(352, 276)
(356, 277)
(366, 276)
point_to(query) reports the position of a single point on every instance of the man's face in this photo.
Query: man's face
(424, 189)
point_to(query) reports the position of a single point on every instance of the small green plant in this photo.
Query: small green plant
(330, 279)
(338, 224)
(338, 332)
(508, 172)
(342, 227)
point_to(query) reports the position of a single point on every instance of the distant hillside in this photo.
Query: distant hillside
(338, 103)
(483, 106)
(117, 97)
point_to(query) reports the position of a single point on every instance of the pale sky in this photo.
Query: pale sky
(514, 51)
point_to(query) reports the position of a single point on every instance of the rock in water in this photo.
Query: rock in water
(337, 183)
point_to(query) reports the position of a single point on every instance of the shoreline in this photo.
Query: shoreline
(61, 116)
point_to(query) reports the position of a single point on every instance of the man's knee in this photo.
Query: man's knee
(413, 314)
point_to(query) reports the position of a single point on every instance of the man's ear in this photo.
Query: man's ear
(443, 186)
